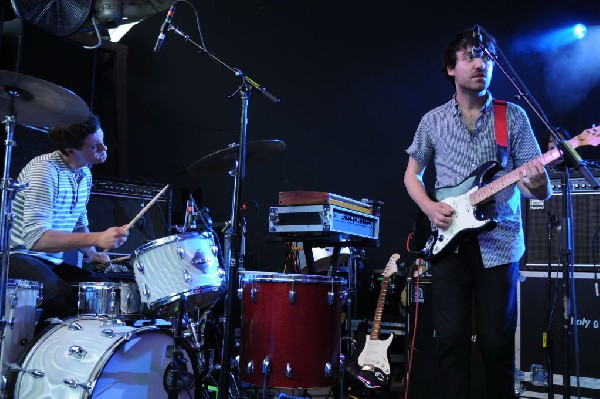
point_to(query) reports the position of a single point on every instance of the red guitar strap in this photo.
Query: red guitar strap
(501, 131)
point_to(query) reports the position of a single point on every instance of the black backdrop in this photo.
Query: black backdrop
(354, 79)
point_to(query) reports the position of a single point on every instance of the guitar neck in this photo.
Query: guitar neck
(486, 192)
(379, 310)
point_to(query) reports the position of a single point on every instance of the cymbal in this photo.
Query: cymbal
(39, 103)
(224, 160)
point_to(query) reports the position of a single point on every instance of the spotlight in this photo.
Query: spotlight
(579, 31)
(109, 12)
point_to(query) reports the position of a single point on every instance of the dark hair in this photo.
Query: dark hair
(461, 41)
(73, 136)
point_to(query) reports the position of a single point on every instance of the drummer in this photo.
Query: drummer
(50, 217)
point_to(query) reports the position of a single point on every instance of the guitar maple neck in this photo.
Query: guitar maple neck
(379, 311)
(489, 190)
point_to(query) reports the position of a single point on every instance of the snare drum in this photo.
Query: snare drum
(182, 266)
(22, 299)
(94, 358)
(291, 324)
(108, 299)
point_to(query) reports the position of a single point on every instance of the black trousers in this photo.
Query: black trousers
(461, 286)
(58, 295)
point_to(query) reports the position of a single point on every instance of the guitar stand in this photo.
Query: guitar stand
(177, 378)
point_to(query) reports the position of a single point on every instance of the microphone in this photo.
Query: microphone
(477, 49)
(164, 27)
(190, 215)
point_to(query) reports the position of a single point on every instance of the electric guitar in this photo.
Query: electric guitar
(469, 197)
(372, 367)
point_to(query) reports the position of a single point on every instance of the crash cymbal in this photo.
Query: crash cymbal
(224, 160)
(38, 102)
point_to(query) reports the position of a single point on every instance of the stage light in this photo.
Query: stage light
(579, 31)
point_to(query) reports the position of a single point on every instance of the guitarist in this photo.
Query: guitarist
(481, 269)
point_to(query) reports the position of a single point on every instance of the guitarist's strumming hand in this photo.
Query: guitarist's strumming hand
(534, 182)
(439, 213)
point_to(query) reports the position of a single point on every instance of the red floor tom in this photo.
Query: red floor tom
(290, 329)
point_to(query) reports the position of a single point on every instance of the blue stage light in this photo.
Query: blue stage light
(579, 31)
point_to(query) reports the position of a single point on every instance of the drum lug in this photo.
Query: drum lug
(288, 370)
(113, 301)
(77, 352)
(140, 267)
(14, 300)
(330, 297)
(73, 383)
(73, 326)
(292, 296)
(266, 365)
(250, 367)
(187, 277)
(328, 369)
(253, 294)
(34, 372)
(146, 291)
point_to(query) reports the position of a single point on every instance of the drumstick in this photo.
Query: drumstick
(144, 209)
(121, 259)
(148, 205)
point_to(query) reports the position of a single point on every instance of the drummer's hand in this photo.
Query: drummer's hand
(99, 260)
(113, 237)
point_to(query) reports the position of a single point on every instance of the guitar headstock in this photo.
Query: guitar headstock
(589, 136)
(391, 266)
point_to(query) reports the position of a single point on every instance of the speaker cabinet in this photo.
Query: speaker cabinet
(533, 294)
(586, 221)
(115, 203)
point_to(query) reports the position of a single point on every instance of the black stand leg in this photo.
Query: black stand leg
(177, 378)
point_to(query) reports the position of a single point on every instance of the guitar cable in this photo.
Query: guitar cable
(414, 328)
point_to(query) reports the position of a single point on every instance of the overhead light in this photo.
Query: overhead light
(109, 13)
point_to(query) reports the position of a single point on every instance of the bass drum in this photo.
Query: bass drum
(96, 358)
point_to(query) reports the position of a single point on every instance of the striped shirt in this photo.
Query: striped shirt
(55, 198)
(443, 137)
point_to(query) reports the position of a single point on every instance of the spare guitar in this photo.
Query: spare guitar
(470, 196)
(372, 366)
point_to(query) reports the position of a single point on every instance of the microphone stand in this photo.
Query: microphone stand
(572, 160)
(232, 258)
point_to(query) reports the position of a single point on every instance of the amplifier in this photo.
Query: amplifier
(323, 220)
(534, 308)
(116, 202)
(586, 222)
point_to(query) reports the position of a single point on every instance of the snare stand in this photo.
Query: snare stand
(177, 378)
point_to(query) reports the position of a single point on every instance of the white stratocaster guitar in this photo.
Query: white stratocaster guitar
(372, 368)
(469, 195)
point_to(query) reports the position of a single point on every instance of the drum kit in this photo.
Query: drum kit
(146, 338)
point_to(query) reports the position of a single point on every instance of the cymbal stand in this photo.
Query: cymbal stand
(232, 257)
(9, 189)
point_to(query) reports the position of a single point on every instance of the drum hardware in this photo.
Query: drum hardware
(38, 103)
(177, 378)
